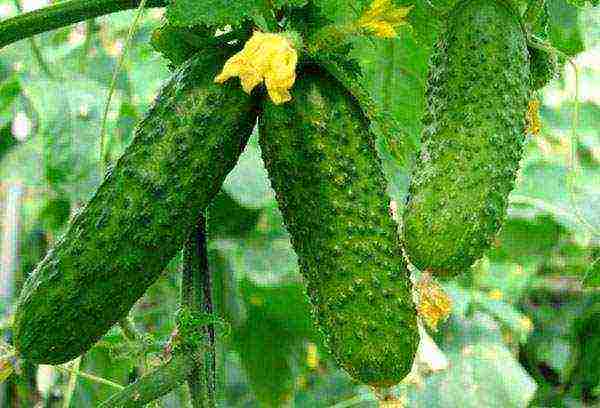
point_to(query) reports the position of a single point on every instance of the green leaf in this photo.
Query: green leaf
(534, 195)
(425, 21)
(507, 315)
(482, 371)
(264, 348)
(583, 3)
(277, 325)
(552, 343)
(10, 89)
(524, 239)
(227, 299)
(395, 74)
(248, 183)
(55, 214)
(177, 44)
(277, 4)
(592, 278)
(285, 302)
(227, 218)
(126, 123)
(186, 13)
(220, 13)
(564, 30)
(63, 154)
(7, 140)
(586, 376)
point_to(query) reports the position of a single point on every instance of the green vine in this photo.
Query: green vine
(573, 162)
(63, 14)
(113, 82)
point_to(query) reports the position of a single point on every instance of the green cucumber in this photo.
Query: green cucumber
(474, 133)
(323, 166)
(139, 217)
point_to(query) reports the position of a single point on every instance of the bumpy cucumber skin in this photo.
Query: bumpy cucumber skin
(139, 217)
(473, 138)
(323, 166)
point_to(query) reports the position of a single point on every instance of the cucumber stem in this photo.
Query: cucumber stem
(197, 298)
(154, 385)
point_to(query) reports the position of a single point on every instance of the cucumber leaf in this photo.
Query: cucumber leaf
(592, 279)
(218, 13)
(583, 3)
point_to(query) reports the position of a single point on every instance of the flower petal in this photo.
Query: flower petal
(266, 56)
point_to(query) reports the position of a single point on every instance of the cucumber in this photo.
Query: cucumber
(474, 133)
(139, 217)
(323, 166)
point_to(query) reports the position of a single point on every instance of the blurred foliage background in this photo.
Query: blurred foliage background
(523, 331)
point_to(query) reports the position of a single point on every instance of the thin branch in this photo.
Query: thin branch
(196, 296)
(90, 377)
(198, 367)
(132, 335)
(61, 15)
(544, 206)
(75, 365)
(113, 82)
(153, 385)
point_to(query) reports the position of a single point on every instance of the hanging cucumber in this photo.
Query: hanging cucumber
(139, 217)
(474, 131)
(328, 181)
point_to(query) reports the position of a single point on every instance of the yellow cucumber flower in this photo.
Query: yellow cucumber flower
(381, 17)
(433, 304)
(266, 57)
(534, 123)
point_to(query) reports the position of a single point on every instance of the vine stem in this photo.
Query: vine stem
(574, 146)
(197, 368)
(63, 14)
(153, 385)
(70, 389)
(132, 335)
(196, 296)
(90, 377)
(113, 82)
